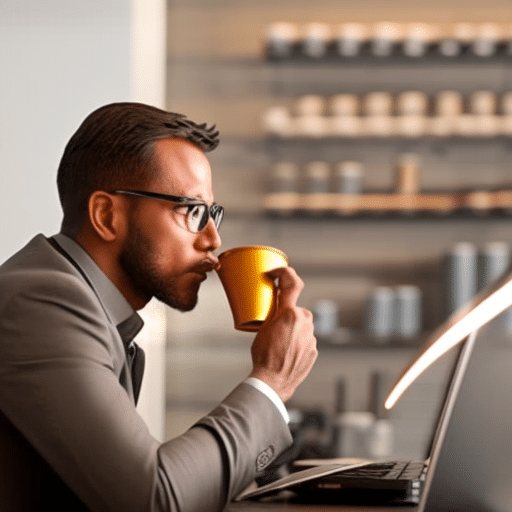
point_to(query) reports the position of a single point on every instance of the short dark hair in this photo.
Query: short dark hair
(113, 148)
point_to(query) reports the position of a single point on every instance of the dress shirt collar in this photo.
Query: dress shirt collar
(122, 315)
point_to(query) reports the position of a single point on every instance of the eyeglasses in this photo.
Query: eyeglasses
(197, 213)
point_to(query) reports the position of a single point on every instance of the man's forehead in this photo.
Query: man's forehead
(183, 168)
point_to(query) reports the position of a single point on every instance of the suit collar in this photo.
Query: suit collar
(119, 311)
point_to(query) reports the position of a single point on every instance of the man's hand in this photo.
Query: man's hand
(284, 349)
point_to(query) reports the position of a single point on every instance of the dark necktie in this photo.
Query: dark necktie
(134, 354)
(137, 359)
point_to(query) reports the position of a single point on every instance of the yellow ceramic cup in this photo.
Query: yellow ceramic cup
(250, 292)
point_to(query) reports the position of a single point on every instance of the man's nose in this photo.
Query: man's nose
(211, 233)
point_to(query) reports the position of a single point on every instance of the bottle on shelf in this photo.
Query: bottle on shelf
(408, 317)
(326, 317)
(408, 174)
(460, 269)
(493, 262)
(348, 181)
(380, 311)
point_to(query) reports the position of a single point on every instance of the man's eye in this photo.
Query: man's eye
(187, 209)
(194, 210)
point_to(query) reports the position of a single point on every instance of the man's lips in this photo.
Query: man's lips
(206, 266)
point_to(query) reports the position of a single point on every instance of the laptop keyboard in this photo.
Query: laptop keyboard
(390, 470)
(390, 482)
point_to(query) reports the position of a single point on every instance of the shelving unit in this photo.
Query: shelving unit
(218, 72)
(485, 202)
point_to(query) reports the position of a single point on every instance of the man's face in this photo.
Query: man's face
(160, 257)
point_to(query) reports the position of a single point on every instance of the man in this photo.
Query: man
(139, 222)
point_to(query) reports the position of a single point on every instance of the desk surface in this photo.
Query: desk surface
(282, 505)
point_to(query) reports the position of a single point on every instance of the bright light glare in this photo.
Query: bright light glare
(485, 310)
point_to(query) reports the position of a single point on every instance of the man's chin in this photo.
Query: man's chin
(178, 303)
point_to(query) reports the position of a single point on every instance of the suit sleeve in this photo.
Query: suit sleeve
(59, 388)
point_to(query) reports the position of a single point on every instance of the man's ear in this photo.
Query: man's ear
(106, 215)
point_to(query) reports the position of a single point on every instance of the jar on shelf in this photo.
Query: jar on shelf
(315, 39)
(408, 174)
(454, 43)
(385, 39)
(417, 39)
(281, 38)
(348, 177)
(486, 40)
(349, 39)
(285, 177)
(278, 121)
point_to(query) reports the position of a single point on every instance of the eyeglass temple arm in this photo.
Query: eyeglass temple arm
(156, 195)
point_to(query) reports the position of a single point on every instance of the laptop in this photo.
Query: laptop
(469, 467)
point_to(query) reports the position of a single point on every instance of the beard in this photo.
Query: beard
(138, 262)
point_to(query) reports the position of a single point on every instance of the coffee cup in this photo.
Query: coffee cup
(250, 291)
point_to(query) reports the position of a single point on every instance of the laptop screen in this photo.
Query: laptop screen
(471, 451)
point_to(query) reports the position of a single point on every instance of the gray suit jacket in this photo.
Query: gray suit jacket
(70, 435)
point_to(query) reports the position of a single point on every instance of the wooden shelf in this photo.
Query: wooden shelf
(435, 204)
(397, 56)
(358, 340)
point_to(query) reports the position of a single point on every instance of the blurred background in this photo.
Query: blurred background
(369, 141)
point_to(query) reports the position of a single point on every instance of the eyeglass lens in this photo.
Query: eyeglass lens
(199, 214)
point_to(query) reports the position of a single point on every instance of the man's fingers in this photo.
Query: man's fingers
(289, 286)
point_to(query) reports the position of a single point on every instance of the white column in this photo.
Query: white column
(147, 85)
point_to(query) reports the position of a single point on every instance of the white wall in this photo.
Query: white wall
(59, 60)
